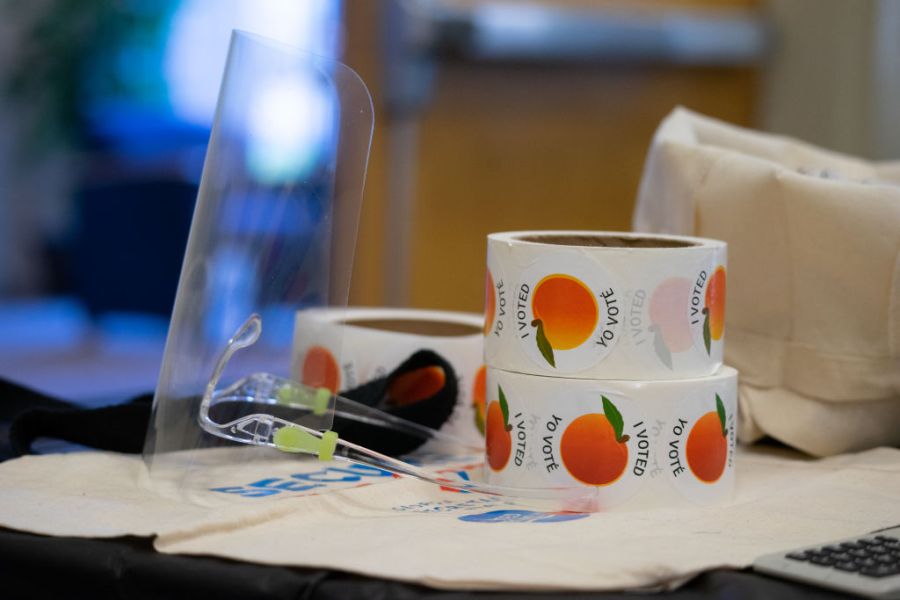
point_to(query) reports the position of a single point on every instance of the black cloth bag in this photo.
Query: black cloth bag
(123, 427)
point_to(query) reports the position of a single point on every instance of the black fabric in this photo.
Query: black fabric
(123, 427)
(117, 428)
(431, 412)
(15, 399)
(33, 566)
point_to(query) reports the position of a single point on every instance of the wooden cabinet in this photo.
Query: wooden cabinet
(503, 145)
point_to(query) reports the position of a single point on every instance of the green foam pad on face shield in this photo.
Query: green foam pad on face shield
(289, 394)
(329, 443)
(296, 440)
(320, 403)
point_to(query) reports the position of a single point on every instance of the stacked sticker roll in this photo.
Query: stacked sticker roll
(604, 356)
(344, 348)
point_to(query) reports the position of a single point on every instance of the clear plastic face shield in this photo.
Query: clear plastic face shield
(274, 232)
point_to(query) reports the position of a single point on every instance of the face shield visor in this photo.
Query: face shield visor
(274, 232)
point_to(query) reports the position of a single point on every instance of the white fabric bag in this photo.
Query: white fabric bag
(813, 308)
(361, 521)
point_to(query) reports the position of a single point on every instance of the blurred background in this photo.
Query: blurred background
(490, 116)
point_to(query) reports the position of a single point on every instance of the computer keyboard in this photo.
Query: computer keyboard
(868, 565)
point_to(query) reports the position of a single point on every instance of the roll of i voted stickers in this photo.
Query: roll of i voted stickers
(344, 348)
(605, 305)
(638, 444)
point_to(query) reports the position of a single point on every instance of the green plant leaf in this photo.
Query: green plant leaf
(479, 421)
(543, 343)
(504, 407)
(659, 344)
(707, 341)
(614, 417)
(720, 408)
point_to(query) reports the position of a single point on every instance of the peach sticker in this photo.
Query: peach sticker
(566, 314)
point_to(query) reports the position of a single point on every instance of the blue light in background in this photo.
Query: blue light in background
(290, 129)
(200, 32)
(148, 101)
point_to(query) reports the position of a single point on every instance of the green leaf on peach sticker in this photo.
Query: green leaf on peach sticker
(543, 343)
(707, 340)
(720, 408)
(615, 419)
(504, 407)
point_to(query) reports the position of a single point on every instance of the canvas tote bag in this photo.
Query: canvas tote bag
(813, 280)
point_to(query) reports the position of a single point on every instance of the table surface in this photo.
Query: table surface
(42, 567)
(92, 368)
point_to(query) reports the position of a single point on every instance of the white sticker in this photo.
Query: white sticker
(699, 444)
(567, 313)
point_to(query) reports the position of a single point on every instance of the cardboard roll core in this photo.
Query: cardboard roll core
(416, 327)
(606, 241)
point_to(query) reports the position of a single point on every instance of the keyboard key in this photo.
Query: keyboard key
(859, 553)
(841, 557)
(847, 566)
(880, 571)
(866, 562)
(885, 539)
(877, 549)
(830, 549)
(886, 559)
(852, 546)
(798, 556)
(825, 561)
(866, 542)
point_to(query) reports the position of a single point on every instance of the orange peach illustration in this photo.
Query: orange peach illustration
(714, 309)
(490, 303)
(320, 369)
(497, 436)
(707, 445)
(565, 314)
(479, 396)
(416, 385)
(593, 449)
